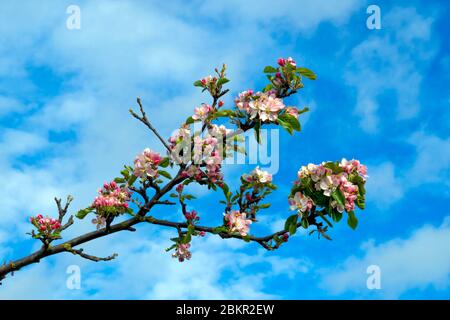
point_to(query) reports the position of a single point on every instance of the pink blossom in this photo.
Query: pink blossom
(282, 62)
(292, 111)
(238, 222)
(265, 107)
(243, 100)
(202, 112)
(206, 81)
(45, 225)
(99, 221)
(146, 164)
(182, 252)
(301, 202)
(112, 196)
(258, 176)
(192, 216)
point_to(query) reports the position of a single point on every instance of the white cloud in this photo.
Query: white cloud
(399, 52)
(419, 262)
(384, 185)
(432, 162)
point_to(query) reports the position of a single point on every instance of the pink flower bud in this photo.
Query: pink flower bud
(179, 188)
(220, 103)
(281, 62)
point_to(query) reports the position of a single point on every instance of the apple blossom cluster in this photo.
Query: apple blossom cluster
(282, 62)
(260, 105)
(334, 186)
(192, 216)
(146, 164)
(182, 252)
(238, 222)
(111, 199)
(45, 225)
(257, 176)
(206, 153)
(202, 112)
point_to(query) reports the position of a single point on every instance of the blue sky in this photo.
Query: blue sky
(381, 96)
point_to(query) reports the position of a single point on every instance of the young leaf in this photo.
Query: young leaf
(165, 174)
(270, 69)
(190, 120)
(164, 162)
(339, 197)
(293, 121)
(306, 73)
(222, 81)
(83, 213)
(285, 125)
(290, 220)
(352, 221)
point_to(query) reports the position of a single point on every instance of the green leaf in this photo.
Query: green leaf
(339, 197)
(224, 113)
(187, 238)
(270, 69)
(189, 196)
(125, 173)
(293, 121)
(226, 190)
(265, 205)
(352, 221)
(289, 221)
(165, 174)
(222, 81)
(132, 180)
(305, 223)
(306, 73)
(305, 109)
(285, 125)
(336, 216)
(190, 120)
(164, 162)
(293, 229)
(83, 213)
(198, 83)
(119, 180)
(268, 87)
(334, 167)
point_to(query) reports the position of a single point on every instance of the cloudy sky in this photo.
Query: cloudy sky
(381, 96)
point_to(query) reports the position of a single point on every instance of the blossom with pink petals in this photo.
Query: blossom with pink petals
(258, 176)
(146, 164)
(301, 202)
(202, 112)
(182, 252)
(292, 111)
(284, 61)
(238, 222)
(265, 107)
(112, 196)
(45, 225)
